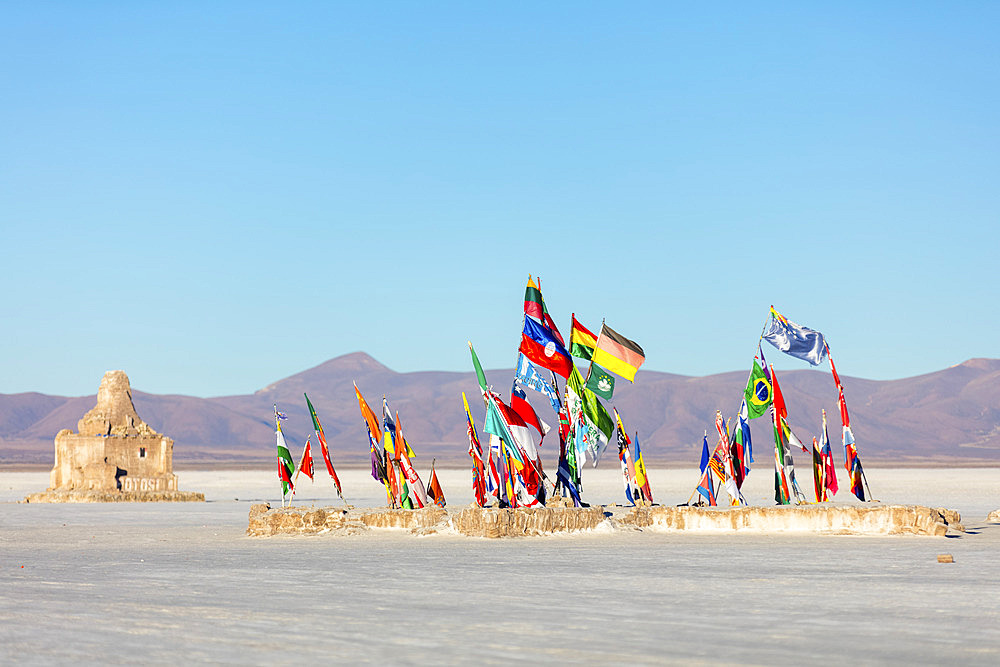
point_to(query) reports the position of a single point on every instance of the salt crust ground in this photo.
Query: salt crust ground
(171, 583)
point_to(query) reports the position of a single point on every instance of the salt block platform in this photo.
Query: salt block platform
(77, 496)
(872, 519)
(494, 522)
(471, 521)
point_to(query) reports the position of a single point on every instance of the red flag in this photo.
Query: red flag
(324, 450)
(326, 459)
(779, 401)
(836, 378)
(844, 417)
(541, 348)
(434, 489)
(284, 476)
(306, 464)
(519, 404)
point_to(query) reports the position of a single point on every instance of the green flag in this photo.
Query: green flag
(312, 413)
(575, 382)
(593, 411)
(480, 375)
(601, 382)
(758, 394)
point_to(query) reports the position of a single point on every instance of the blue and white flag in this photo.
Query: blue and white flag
(563, 476)
(527, 374)
(795, 340)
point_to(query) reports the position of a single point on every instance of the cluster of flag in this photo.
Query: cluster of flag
(633, 468)
(512, 470)
(288, 474)
(391, 460)
(729, 464)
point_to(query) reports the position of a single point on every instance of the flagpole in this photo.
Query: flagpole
(864, 478)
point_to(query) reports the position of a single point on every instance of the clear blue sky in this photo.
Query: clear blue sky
(216, 197)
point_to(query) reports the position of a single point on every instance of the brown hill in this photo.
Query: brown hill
(951, 417)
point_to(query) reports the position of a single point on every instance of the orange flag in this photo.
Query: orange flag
(369, 416)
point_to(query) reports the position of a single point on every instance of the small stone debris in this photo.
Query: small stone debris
(945, 558)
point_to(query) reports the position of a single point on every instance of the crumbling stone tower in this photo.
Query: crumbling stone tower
(113, 449)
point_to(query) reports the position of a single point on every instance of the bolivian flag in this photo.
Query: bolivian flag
(582, 340)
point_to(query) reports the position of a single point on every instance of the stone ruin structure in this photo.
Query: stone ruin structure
(114, 455)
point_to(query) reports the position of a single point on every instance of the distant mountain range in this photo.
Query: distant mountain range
(950, 417)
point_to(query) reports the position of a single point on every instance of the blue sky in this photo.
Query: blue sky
(214, 198)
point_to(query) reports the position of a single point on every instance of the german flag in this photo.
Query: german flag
(617, 353)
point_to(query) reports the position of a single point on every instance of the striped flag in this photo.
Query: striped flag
(778, 414)
(829, 466)
(497, 424)
(628, 470)
(706, 487)
(582, 340)
(494, 485)
(641, 478)
(817, 460)
(415, 485)
(565, 478)
(286, 466)
(726, 461)
(534, 307)
(519, 404)
(541, 347)
(617, 353)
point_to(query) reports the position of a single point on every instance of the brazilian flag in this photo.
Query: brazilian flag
(758, 393)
